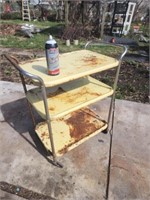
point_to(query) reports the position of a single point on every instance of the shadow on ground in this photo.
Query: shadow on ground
(54, 30)
(17, 115)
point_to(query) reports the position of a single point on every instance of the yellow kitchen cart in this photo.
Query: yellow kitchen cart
(62, 101)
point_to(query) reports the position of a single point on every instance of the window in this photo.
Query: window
(126, 28)
(131, 9)
(129, 17)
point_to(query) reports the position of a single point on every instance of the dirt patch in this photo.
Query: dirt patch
(133, 83)
(8, 29)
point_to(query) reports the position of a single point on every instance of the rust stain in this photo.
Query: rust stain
(43, 134)
(92, 60)
(52, 108)
(84, 94)
(73, 97)
(80, 130)
(64, 150)
(81, 124)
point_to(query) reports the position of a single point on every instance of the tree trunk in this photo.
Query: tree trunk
(98, 14)
(84, 11)
(103, 20)
(66, 13)
(136, 9)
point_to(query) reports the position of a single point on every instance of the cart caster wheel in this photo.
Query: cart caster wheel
(105, 131)
(58, 164)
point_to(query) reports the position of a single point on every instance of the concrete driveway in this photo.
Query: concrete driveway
(84, 175)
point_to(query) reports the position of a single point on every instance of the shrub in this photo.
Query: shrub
(12, 15)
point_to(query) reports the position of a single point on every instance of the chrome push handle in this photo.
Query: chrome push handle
(98, 43)
(15, 63)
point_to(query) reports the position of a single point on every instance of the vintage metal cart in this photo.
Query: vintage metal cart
(62, 100)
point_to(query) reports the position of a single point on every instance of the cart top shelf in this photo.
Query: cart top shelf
(73, 65)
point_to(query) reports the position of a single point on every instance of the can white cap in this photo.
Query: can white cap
(50, 40)
(50, 37)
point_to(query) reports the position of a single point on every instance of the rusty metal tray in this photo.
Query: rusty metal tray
(71, 130)
(73, 65)
(69, 97)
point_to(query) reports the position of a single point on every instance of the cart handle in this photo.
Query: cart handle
(98, 43)
(112, 105)
(15, 63)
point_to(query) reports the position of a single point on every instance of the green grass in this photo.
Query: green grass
(25, 43)
(38, 41)
(107, 50)
(40, 24)
(8, 71)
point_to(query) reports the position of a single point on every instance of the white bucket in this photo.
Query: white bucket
(67, 43)
(76, 42)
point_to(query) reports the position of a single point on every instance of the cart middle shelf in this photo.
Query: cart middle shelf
(69, 97)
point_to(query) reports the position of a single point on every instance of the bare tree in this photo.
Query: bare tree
(104, 6)
(138, 4)
(66, 13)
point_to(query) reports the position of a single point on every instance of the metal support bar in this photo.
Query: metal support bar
(115, 87)
(110, 155)
(23, 73)
(48, 122)
(99, 43)
(111, 113)
(29, 106)
(55, 162)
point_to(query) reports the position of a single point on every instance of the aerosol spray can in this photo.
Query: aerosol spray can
(52, 56)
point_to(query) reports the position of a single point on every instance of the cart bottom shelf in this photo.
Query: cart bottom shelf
(71, 130)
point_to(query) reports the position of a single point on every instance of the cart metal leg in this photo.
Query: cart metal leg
(23, 74)
(29, 106)
(47, 118)
(99, 43)
(110, 120)
(111, 109)
(50, 128)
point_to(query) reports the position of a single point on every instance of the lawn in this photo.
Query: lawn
(133, 80)
(38, 41)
